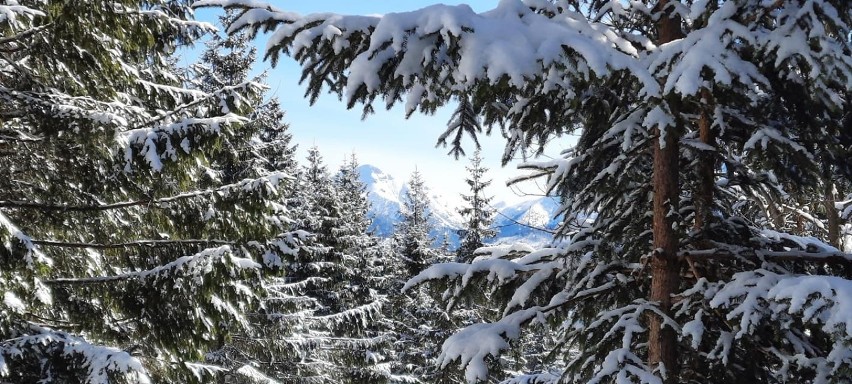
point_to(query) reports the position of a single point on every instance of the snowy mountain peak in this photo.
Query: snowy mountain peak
(380, 184)
(386, 194)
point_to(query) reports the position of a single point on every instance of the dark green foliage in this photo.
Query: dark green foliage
(322, 318)
(412, 233)
(478, 212)
(123, 260)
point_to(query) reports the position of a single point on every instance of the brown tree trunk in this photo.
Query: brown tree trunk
(831, 214)
(662, 345)
(662, 341)
(703, 199)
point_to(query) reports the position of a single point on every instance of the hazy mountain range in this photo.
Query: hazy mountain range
(514, 222)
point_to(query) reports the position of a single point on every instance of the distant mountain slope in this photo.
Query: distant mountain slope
(518, 222)
(385, 193)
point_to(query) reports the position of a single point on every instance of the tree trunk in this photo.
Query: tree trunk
(662, 346)
(662, 341)
(831, 214)
(703, 199)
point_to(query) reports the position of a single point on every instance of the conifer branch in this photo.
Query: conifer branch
(138, 243)
(24, 34)
(46, 207)
(761, 255)
(156, 203)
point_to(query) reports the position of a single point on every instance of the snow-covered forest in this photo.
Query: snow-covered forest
(157, 226)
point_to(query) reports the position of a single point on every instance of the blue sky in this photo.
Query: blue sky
(385, 139)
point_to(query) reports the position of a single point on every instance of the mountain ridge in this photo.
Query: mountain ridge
(514, 222)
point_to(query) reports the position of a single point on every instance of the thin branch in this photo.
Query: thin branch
(24, 34)
(518, 222)
(66, 208)
(760, 255)
(48, 207)
(20, 139)
(13, 115)
(182, 262)
(138, 243)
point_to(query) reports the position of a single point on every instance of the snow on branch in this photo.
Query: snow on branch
(297, 287)
(453, 45)
(101, 363)
(268, 184)
(11, 10)
(687, 59)
(845, 207)
(65, 106)
(501, 269)
(759, 255)
(145, 142)
(33, 254)
(753, 296)
(321, 341)
(776, 247)
(131, 244)
(761, 296)
(362, 315)
(790, 41)
(201, 371)
(191, 264)
(624, 324)
(475, 343)
(528, 269)
(165, 17)
(254, 375)
(535, 378)
(761, 138)
(490, 260)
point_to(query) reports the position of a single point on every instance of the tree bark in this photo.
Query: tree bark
(703, 199)
(662, 346)
(662, 341)
(831, 214)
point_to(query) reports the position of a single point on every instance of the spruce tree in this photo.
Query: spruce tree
(367, 283)
(116, 265)
(323, 312)
(478, 212)
(417, 319)
(356, 207)
(261, 148)
(412, 233)
(692, 162)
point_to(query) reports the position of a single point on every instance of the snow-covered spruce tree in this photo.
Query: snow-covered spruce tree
(353, 196)
(419, 320)
(478, 212)
(322, 312)
(261, 148)
(227, 60)
(689, 147)
(264, 145)
(412, 232)
(365, 259)
(445, 250)
(112, 268)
